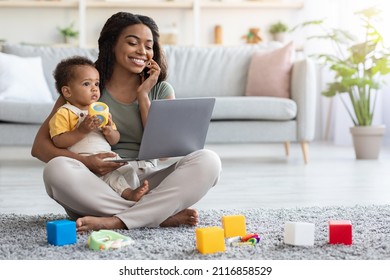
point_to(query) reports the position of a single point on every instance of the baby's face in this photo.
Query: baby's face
(84, 88)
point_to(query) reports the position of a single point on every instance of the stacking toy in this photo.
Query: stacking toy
(299, 233)
(61, 232)
(340, 232)
(234, 225)
(210, 240)
(100, 110)
(108, 239)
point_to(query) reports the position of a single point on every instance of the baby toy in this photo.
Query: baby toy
(100, 110)
(234, 225)
(340, 232)
(210, 240)
(61, 232)
(248, 239)
(299, 233)
(108, 239)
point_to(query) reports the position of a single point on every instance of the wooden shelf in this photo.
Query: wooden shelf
(275, 4)
(151, 4)
(39, 4)
(140, 4)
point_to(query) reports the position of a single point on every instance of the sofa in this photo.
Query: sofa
(264, 101)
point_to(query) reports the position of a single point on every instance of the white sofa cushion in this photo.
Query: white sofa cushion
(51, 56)
(254, 108)
(22, 79)
(24, 112)
(211, 71)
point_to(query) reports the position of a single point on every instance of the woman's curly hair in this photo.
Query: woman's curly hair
(109, 36)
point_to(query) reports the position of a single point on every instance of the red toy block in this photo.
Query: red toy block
(340, 232)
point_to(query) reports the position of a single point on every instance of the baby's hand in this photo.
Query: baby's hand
(88, 124)
(107, 129)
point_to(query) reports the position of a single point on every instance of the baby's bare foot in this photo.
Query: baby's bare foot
(185, 217)
(96, 223)
(138, 193)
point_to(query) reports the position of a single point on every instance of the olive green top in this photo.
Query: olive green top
(127, 118)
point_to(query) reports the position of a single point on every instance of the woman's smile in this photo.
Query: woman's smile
(138, 61)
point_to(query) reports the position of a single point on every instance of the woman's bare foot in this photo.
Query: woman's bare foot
(135, 195)
(96, 223)
(185, 217)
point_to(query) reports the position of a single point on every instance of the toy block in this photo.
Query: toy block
(210, 240)
(61, 232)
(340, 232)
(234, 225)
(299, 233)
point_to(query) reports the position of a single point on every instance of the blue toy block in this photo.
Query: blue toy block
(61, 232)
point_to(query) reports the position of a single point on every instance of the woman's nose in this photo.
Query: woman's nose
(141, 49)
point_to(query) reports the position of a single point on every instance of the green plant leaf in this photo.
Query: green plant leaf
(334, 88)
(307, 23)
(68, 31)
(359, 67)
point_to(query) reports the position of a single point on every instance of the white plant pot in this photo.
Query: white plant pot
(367, 140)
(279, 37)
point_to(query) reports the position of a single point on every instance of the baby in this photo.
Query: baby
(71, 127)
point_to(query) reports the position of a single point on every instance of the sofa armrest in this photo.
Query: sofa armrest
(303, 92)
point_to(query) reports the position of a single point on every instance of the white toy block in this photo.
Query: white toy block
(299, 233)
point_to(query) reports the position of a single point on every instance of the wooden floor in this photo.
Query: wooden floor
(253, 176)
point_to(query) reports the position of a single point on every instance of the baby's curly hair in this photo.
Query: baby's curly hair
(64, 72)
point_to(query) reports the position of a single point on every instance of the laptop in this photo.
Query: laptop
(175, 128)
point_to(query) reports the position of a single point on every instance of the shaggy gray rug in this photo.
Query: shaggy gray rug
(24, 237)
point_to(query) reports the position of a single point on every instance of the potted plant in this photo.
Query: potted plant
(68, 33)
(359, 68)
(278, 31)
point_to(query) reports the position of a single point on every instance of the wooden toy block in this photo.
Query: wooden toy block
(210, 240)
(61, 232)
(234, 225)
(299, 233)
(340, 232)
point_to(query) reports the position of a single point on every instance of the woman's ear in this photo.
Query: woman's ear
(65, 90)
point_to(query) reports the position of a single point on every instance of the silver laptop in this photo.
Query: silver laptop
(175, 127)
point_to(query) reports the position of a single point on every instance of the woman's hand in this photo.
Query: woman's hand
(145, 87)
(99, 166)
(148, 83)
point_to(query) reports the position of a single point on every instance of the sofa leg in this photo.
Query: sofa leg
(287, 148)
(305, 151)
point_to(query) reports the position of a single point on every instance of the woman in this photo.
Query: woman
(132, 73)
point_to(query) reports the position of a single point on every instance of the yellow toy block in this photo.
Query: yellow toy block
(210, 240)
(234, 225)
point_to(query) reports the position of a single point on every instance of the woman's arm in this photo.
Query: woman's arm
(44, 149)
(145, 88)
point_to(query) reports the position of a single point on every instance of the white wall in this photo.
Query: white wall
(34, 25)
